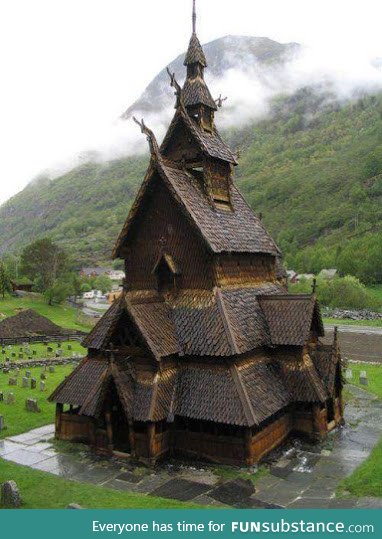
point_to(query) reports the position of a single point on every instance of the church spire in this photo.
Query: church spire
(195, 91)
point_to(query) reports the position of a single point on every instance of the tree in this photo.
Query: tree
(103, 283)
(58, 292)
(43, 262)
(5, 283)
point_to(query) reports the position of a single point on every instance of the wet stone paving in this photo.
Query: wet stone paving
(301, 475)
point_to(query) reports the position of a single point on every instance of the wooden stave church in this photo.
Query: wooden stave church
(206, 354)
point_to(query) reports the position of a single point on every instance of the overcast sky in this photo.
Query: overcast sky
(70, 67)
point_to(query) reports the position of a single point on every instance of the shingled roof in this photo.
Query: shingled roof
(85, 386)
(239, 230)
(244, 393)
(209, 142)
(290, 318)
(100, 335)
(220, 323)
(195, 92)
(195, 53)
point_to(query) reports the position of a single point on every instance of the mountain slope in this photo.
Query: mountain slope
(312, 167)
(223, 54)
(313, 170)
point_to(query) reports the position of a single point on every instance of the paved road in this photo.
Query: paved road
(358, 343)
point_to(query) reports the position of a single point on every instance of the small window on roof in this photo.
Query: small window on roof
(167, 273)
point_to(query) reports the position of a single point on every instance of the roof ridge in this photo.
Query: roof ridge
(96, 387)
(243, 395)
(67, 379)
(226, 320)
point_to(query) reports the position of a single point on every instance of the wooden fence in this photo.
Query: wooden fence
(77, 336)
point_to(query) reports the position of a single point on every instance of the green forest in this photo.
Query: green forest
(312, 168)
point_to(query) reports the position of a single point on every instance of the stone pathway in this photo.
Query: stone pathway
(301, 475)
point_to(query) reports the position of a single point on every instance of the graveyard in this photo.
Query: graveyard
(29, 352)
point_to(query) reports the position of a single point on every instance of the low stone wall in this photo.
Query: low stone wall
(10, 365)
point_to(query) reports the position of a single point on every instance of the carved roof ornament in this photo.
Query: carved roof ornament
(154, 148)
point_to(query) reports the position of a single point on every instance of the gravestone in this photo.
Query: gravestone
(348, 374)
(10, 495)
(1, 396)
(28, 374)
(12, 382)
(21, 355)
(50, 349)
(25, 382)
(34, 352)
(31, 405)
(10, 398)
(42, 386)
(33, 383)
(69, 346)
(2, 424)
(43, 376)
(51, 368)
(363, 378)
(58, 345)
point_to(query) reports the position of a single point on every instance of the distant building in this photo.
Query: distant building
(93, 294)
(292, 276)
(305, 277)
(95, 271)
(23, 284)
(115, 294)
(114, 275)
(328, 274)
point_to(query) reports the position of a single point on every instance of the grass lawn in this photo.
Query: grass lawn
(366, 480)
(41, 351)
(374, 374)
(340, 322)
(42, 490)
(63, 315)
(17, 419)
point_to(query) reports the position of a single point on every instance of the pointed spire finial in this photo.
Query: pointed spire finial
(193, 16)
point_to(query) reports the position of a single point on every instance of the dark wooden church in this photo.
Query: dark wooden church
(205, 354)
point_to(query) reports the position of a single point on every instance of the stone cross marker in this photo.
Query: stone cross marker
(10, 495)
(348, 374)
(10, 398)
(363, 378)
(32, 406)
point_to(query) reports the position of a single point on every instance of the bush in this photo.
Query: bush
(342, 292)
